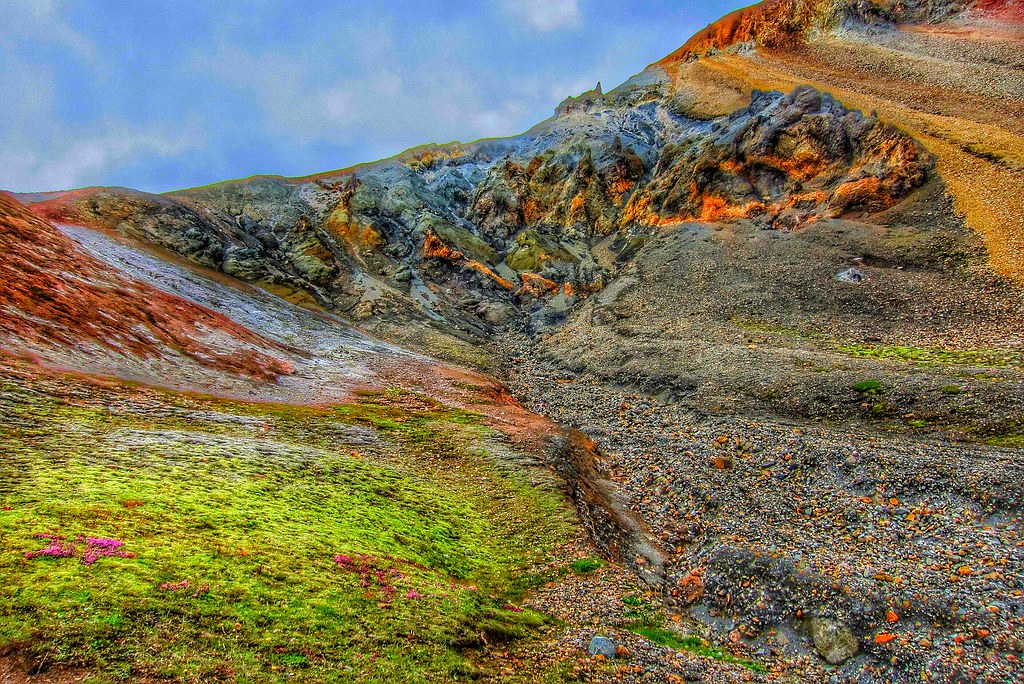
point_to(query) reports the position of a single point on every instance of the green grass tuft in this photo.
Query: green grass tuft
(868, 386)
(692, 644)
(584, 565)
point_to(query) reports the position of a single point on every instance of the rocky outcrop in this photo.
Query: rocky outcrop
(784, 161)
(443, 232)
(573, 102)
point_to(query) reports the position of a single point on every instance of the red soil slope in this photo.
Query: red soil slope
(52, 294)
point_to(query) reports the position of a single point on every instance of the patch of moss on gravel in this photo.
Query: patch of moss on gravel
(936, 356)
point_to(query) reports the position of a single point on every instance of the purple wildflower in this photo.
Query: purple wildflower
(373, 573)
(55, 549)
(88, 550)
(413, 594)
(104, 543)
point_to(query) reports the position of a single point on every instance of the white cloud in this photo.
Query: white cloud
(43, 20)
(63, 165)
(545, 15)
(359, 81)
(393, 99)
(44, 151)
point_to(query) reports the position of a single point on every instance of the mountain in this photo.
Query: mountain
(499, 221)
(758, 310)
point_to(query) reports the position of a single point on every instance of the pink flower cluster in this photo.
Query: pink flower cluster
(371, 573)
(87, 550)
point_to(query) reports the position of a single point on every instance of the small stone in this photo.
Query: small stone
(602, 646)
(851, 275)
(691, 587)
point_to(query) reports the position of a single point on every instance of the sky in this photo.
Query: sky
(161, 95)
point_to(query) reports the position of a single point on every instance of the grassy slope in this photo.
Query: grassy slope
(250, 504)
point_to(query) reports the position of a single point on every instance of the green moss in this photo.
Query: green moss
(250, 504)
(881, 410)
(533, 250)
(584, 565)
(1006, 433)
(691, 644)
(937, 356)
(951, 389)
(868, 386)
(461, 239)
(924, 356)
(1014, 441)
(436, 343)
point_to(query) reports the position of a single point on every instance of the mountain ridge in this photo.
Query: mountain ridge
(771, 346)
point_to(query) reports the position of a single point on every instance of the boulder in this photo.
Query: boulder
(833, 640)
(601, 645)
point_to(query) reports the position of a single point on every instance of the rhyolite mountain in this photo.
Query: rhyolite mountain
(468, 234)
(776, 276)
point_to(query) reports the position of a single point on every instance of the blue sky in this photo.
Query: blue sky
(159, 95)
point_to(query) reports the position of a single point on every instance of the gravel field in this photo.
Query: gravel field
(779, 528)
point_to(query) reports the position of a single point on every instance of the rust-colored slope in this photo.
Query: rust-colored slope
(1006, 11)
(55, 296)
(787, 23)
(955, 86)
(773, 22)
